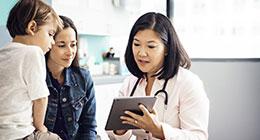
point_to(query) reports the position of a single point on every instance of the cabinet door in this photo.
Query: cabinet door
(89, 16)
(104, 97)
(106, 17)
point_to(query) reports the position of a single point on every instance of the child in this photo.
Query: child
(32, 25)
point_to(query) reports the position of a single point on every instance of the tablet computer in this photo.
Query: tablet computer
(122, 104)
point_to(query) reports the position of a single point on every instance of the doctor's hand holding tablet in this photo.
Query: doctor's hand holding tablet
(132, 113)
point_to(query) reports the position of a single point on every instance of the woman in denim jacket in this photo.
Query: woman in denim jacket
(72, 105)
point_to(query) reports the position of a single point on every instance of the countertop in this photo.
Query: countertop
(108, 79)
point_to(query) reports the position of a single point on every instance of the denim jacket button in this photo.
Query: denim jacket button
(69, 119)
(64, 99)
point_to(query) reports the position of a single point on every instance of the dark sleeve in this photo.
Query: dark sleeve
(87, 121)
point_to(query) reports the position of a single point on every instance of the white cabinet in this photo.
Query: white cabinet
(106, 17)
(104, 98)
(89, 16)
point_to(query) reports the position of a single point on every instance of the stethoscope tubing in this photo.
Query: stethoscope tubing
(159, 91)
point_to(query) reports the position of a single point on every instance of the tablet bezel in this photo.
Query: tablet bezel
(122, 104)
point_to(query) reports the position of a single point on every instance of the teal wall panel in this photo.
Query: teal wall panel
(95, 46)
(5, 6)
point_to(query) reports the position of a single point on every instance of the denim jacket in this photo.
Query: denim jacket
(78, 103)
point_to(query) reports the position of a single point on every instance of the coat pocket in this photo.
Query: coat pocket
(79, 103)
(78, 106)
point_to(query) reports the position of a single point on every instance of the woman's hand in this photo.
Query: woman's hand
(148, 121)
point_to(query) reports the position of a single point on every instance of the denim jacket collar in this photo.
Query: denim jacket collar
(69, 78)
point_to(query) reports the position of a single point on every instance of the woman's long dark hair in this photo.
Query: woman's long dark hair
(67, 22)
(176, 55)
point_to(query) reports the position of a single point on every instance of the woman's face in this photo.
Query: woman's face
(65, 48)
(148, 51)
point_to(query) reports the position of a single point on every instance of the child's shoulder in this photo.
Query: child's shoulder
(22, 48)
(32, 49)
(19, 50)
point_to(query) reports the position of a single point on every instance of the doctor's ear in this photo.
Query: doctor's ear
(31, 27)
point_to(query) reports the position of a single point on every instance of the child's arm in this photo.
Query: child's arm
(39, 110)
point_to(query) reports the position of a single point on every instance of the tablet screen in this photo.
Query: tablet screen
(120, 105)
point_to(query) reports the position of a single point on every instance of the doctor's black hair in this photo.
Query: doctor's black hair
(176, 55)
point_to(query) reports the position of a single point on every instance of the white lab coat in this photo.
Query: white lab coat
(186, 117)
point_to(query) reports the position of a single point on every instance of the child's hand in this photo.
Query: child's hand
(42, 128)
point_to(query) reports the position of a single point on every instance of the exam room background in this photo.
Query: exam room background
(222, 37)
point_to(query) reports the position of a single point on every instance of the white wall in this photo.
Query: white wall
(219, 28)
(233, 90)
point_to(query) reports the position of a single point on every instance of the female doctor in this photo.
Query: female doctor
(159, 67)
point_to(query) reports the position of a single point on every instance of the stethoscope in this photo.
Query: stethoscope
(159, 91)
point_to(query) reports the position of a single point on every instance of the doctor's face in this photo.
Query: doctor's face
(148, 51)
